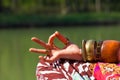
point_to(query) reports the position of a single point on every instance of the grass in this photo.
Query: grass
(17, 63)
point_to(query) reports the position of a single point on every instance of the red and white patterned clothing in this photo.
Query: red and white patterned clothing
(75, 70)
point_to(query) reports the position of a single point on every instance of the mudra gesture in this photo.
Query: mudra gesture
(90, 51)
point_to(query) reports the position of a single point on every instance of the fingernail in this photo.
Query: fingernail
(31, 49)
(33, 38)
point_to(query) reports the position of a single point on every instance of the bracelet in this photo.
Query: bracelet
(98, 53)
(83, 50)
(91, 50)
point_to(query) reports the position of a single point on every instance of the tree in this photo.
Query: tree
(86, 5)
(98, 5)
(1, 6)
(15, 5)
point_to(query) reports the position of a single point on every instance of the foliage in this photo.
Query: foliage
(59, 6)
(43, 20)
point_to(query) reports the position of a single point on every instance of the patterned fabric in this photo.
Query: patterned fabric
(75, 70)
(107, 71)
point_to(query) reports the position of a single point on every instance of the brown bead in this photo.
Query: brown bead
(110, 51)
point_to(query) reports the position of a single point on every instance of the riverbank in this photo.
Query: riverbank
(37, 20)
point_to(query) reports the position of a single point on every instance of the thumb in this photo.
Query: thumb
(52, 59)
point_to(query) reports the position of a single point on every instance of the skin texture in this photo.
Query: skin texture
(71, 51)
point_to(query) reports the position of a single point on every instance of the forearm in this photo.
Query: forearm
(106, 51)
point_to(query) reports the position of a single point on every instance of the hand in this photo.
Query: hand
(71, 51)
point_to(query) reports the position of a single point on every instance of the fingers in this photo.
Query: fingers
(62, 38)
(42, 58)
(51, 39)
(50, 59)
(43, 51)
(40, 42)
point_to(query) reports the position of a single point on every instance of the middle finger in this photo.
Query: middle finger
(45, 45)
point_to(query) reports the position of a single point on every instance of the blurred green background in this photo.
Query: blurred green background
(76, 19)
